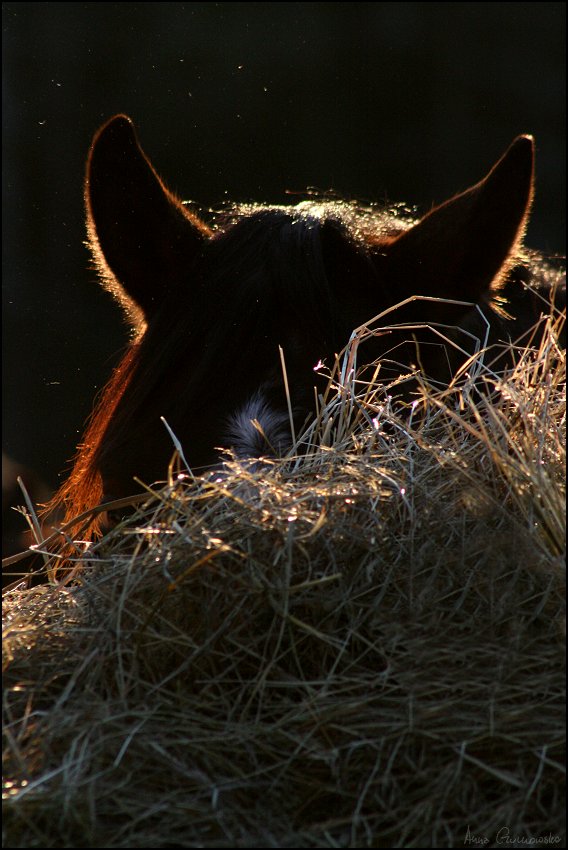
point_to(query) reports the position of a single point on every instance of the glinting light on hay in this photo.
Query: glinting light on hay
(359, 644)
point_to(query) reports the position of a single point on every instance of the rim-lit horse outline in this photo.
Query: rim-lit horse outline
(210, 304)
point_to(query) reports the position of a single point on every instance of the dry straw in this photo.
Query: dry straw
(358, 645)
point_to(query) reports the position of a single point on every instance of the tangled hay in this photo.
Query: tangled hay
(359, 645)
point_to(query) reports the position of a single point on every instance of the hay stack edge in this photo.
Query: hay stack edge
(358, 645)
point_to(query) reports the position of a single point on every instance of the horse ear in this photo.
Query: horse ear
(460, 250)
(141, 236)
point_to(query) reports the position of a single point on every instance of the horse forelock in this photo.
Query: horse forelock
(256, 428)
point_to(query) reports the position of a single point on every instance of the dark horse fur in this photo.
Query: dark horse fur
(209, 304)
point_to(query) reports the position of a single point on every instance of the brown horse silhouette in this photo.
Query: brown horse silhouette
(210, 303)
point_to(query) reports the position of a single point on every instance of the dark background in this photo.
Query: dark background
(242, 101)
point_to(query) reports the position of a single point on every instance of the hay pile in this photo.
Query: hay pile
(357, 647)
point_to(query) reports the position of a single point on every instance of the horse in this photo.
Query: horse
(210, 303)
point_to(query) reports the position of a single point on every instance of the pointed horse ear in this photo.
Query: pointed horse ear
(460, 250)
(141, 235)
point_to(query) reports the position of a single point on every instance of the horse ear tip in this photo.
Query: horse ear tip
(523, 146)
(119, 123)
(121, 120)
(118, 129)
(525, 140)
(517, 159)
